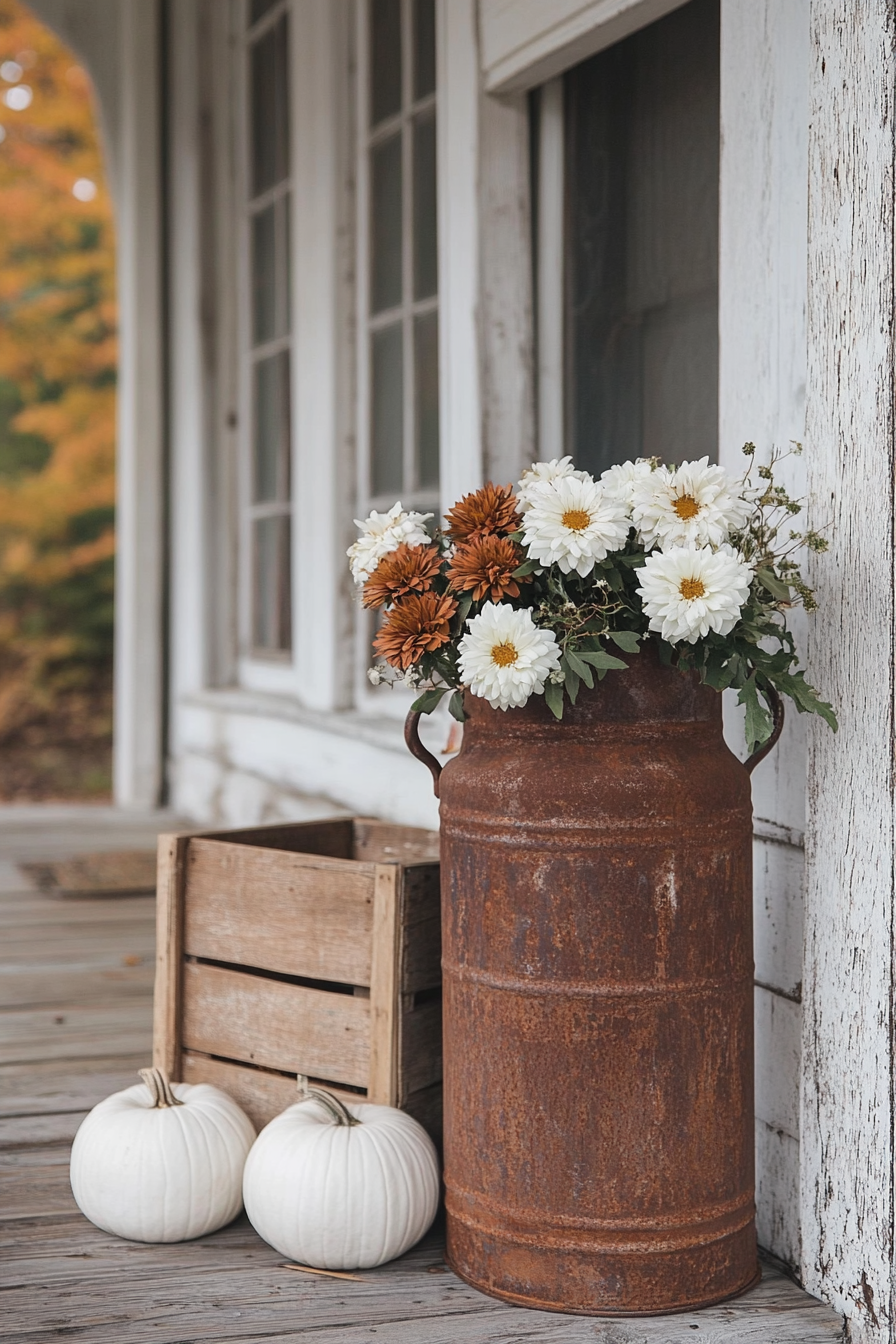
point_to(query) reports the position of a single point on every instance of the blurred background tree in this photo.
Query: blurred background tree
(57, 422)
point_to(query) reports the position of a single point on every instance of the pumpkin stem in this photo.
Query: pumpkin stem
(159, 1086)
(337, 1109)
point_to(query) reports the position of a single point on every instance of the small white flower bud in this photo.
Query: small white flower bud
(374, 676)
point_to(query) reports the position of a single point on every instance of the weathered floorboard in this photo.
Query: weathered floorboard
(61, 1277)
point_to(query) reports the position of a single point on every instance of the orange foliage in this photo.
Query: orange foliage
(57, 363)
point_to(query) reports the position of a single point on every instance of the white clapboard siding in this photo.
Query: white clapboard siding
(762, 374)
(847, 1100)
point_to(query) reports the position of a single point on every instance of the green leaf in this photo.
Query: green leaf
(553, 695)
(602, 660)
(578, 665)
(805, 697)
(463, 609)
(627, 640)
(426, 703)
(772, 584)
(527, 567)
(758, 724)
(456, 707)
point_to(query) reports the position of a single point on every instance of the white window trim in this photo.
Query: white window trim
(525, 44)
(267, 670)
(396, 702)
(549, 270)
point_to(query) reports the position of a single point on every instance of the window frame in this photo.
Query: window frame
(258, 668)
(382, 700)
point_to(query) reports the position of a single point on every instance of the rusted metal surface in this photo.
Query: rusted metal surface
(597, 960)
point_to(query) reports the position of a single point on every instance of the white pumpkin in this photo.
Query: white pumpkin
(161, 1161)
(341, 1187)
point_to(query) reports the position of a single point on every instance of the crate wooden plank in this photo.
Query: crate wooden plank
(166, 1026)
(420, 1048)
(261, 1094)
(421, 892)
(276, 1024)
(382, 1086)
(299, 915)
(333, 838)
(421, 955)
(384, 842)
(425, 1106)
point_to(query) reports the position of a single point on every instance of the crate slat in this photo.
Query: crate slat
(280, 911)
(272, 1023)
(166, 1025)
(420, 1048)
(262, 1095)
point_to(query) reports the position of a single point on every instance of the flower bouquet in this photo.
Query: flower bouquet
(537, 591)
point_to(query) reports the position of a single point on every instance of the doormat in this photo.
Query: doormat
(123, 873)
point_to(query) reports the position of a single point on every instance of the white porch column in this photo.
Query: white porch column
(847, 1087)
(140, 513)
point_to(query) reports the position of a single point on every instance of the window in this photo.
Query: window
(267, 341)
(399, 411)
(628, 247)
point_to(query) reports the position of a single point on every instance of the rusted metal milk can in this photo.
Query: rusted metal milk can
(598, 1000)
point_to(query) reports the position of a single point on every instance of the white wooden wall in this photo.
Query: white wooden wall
(847, 1088)
(762, 378)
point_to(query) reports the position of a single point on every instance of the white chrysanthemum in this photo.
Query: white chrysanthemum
(622, 479)
(686, 593)
(382, 533)
(573, 523)
(539, 472)
(504, 657)
(692, 505)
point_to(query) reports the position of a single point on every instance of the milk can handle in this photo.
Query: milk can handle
(777, 725)
(416, 748)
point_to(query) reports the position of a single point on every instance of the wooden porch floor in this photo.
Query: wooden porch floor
(75, 1010)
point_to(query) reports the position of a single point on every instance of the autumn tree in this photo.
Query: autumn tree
(57, 398)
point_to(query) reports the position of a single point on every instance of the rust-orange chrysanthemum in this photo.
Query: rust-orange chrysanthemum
(485, 566)
(407, 569)
(489, 512)
(416, 625)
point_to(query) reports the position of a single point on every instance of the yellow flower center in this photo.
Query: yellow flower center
(576, 520)
(691, 588)
(504, 654)
(686, 507)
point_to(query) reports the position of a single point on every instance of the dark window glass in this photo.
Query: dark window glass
(385, 172)
(387, 411)
(271, 447)
(424, 47)
(272, 602)
(259, 8)
(642, 174)
(264, 275)
(425, 243)
(426, 397)
(269, 103)
(385, 59)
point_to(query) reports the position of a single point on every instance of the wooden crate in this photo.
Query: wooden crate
(307, 951)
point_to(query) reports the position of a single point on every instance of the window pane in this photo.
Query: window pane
(426, 278)
(259, 9)
(385, 59)
(426, 396)
(424, 47)
(385, 168)
(271, 611)
(269, 103)
(387, 438)
(271, 447)
(642, 173)
(264, 276)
